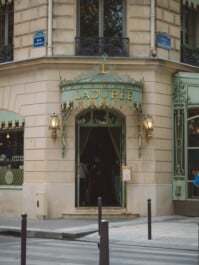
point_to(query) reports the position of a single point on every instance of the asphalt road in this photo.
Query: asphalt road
(61, 252)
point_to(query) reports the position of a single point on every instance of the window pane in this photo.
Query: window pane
(89, 18)
(193, 150)
(113, 18)
(192, 191)
(193, 132)
(10, 25)
(193, 166)
(11, 148)
(11, 157)
(189, 26)
(2, 28)
(193, 127)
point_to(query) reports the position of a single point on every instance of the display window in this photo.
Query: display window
(193, 151)
(11, 156)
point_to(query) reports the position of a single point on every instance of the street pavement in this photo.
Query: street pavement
(175, 232)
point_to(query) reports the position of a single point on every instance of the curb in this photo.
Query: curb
(46, 233)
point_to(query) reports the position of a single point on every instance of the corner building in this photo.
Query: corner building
(80, 81)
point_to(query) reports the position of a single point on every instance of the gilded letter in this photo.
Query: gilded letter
(94, 94)
(122, 94)
(77, 95)
(130, 95)
(114, 94)
(86, 95)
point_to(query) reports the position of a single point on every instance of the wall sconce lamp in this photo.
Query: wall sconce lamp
(148, 125)
(54, 125)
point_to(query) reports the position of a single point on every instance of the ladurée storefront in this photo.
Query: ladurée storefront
(69, 136)
(102, 101)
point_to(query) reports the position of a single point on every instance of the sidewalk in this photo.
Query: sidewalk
(168, 231)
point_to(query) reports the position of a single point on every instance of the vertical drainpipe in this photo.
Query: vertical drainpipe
(50, 16)
(153, 51)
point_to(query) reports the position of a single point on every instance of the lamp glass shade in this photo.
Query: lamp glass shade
(148, 123)
(54, 121)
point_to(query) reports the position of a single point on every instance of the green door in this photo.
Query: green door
(99, 157)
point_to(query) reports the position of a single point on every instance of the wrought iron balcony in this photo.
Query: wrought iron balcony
(190, 56)
(99, 46)
(6, 53)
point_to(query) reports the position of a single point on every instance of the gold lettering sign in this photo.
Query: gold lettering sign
(104, 94)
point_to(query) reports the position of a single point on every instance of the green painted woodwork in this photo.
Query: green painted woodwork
(9, 119)
(185, 104)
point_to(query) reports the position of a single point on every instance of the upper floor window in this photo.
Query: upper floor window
(6, 31)
(101, 28)
(190, 33)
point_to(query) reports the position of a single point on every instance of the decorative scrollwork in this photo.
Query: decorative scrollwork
(179, 142)
(99, 46)
(138, 113)
(179, 94)
(190, 56)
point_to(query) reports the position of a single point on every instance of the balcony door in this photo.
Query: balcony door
(101, 28)
(101, 18)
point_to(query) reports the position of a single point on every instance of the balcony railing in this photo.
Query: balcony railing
(190, 56)
(117, 47)
(6, 53)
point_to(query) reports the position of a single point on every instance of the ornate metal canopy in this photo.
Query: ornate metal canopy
(101, 89)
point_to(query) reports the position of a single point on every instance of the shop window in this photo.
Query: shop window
(193, 150)
(101, 28)
(6, 31)
(190, 34)
(11, 154)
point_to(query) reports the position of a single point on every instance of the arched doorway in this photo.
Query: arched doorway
(100, 154)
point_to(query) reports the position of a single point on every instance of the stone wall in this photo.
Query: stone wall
(31, 16)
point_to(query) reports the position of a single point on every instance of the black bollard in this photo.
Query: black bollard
(149, 218)
(99, 213)
(104, 243)
(23, 238)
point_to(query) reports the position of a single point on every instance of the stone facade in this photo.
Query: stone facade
(30, 86)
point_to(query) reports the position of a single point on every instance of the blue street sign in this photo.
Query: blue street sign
(164, 41)
(39, 39)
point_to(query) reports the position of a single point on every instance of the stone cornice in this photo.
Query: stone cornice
(122, 64)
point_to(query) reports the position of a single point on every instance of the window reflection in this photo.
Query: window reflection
(193, 150)
(6, 32)
(101, 18)
(11, 156)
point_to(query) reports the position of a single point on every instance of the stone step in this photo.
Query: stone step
(92, 212)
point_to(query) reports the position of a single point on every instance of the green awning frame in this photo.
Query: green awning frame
(10, 120)
(6, 2)
(191, 3)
